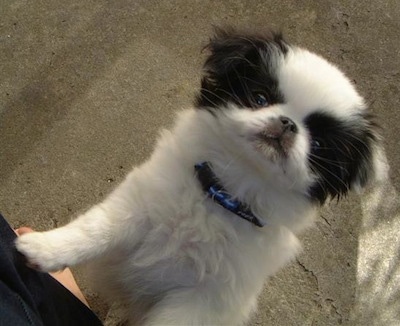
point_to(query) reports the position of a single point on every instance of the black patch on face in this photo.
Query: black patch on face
(239, 69)
(340, 153)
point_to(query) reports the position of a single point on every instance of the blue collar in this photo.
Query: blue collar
(211, 186)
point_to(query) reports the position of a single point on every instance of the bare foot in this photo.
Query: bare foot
(65, 276)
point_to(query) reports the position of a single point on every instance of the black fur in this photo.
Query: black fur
(343, 156)
(238, 67)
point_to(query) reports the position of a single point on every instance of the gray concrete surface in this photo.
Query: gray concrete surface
(85, 85)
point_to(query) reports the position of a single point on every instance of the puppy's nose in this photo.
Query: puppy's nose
(280, 127)
(288, 124)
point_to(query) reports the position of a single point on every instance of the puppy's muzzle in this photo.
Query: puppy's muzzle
(279, 133)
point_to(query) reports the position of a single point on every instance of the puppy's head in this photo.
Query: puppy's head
(288, 111)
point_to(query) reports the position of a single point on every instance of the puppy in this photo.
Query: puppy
(190, 236)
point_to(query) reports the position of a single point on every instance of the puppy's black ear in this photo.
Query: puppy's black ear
(372, 166)
(230, 47)
(234, 58)
(347, 157)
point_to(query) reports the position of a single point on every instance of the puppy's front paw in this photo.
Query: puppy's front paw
(40, 252)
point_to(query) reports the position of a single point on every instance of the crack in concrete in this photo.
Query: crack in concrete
(326, 220)
(308, 271)
(320, 300)
(335, 308)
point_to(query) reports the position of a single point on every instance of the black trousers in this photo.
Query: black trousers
(28, 297)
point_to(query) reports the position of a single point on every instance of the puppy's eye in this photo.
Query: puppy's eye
(260, 100)
(315, 144)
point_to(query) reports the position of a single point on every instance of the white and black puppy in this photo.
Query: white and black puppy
(190, 236)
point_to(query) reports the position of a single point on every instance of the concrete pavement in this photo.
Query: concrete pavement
(86, 85)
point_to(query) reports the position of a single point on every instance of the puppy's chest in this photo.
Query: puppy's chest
(192, 236)
(209, 239)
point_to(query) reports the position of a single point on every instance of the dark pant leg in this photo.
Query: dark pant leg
(28, 297)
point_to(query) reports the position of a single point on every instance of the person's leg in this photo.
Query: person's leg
(28, 297)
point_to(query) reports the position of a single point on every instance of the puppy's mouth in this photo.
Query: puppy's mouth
(272, 142)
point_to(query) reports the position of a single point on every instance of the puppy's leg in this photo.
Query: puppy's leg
(85, 238)
(196, 307)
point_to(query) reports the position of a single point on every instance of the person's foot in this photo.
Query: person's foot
(65, 276)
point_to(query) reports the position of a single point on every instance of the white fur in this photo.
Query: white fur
(171, 255)
(309, 82)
